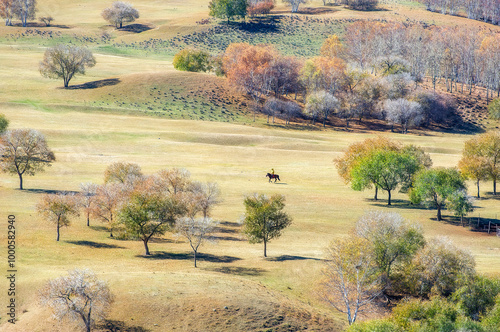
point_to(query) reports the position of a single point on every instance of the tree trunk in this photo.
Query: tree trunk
(58, 227)
(20, 181)
(265, 248)
(389, 201)
(146, 247)
(439, 213)
(88, 219)
(195, 258)
(478, 189)
(494, 186)
(376, 193)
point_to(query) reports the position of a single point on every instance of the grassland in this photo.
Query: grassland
(132, 106)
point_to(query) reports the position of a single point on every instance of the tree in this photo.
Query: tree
(403, 112)
(24, 10)
(46, 20)
(460, 203)
(483, 151)
(324, 73)
(4, 123)
(264, 219)
(394, 240)
(107, 203)
(122, 173)
(192, 60)
(172, 181)
(65, 61)
(260, 7)
(361, 4)
(25, 152)
(434, 186)
(6, 11)
(58, 208)
(473, 167)
(321, 103)
(295, 4)
(228, 9)
(80, 296)
(205, 197)
(352, 277)
(120, 12)
(475, 299)
(148, 213)
(494, 109)
(384, 169)
(195, 230)
(87, 198)
(332, 47)
(440, 268)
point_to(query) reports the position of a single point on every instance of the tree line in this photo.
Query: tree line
(485, 10)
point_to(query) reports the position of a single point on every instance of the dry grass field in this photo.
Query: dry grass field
(145, 112)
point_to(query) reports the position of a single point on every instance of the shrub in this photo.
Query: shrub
(260, 8)
(494, 109)
(361, 4)
(192, 60)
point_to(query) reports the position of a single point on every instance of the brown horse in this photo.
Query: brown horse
(273, 176)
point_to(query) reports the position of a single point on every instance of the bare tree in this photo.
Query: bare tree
(121, 172)
(172, 181)
(6, 11)
(352, 279)
(120, 12)
(57, 208)
(46, 20)
(24, 10)
(205, 196)
(196, 231)
(64, 61)
(87, 198)
(322, 103)
(80, 296)
(107, 203)
(294, 4)
(403, 112)
(24, 152)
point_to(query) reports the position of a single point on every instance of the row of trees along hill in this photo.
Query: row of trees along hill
(373, 73)
(485, 10)
(387, 165)
(387, 258)
(137, 206)
(25, 10)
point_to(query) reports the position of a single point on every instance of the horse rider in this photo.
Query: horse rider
(272, 171)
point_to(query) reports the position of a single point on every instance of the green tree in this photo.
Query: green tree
(393, 239)
(227, 9)
(58, 208)
(264, 218)
(476, 298)
(122, 173)
(24, 152)
(65, 61)
(434, 186)
(385, 169)
(460, 203)
(192, 60)
(4, 123)
(494, 109)
(473, 167)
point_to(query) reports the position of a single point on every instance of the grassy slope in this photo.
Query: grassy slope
(168, 291)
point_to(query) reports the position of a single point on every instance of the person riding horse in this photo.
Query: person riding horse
(272, 175)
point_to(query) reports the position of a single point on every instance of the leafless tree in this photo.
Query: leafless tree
(205, 196)
(403, 112)
(46, 20)
(24, 10)
(24, 152)
(80, 296)
(108, 199)
(172, 181)
(87, 198)
(295, 4)
(65, 61)
(7, 11)
(195, 230)
(121, 172)
(120, 12)
(321, 103)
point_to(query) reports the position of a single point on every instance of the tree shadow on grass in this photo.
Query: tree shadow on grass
(99, 228)
(137, 28)
(50, 191)
(227, 238)
(94, 84)
(119, 326)
(397, 203)
(283, 258)
(238, 270)
(189, 256)
(93, 244)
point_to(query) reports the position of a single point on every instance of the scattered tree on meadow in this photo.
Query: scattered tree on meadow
(7, 11)
(481, 155)
(394, 241)
(46, 20)
(80, 296)
(172, 181)
(4, 123)
(24, 10)
(87, 198)
(295, 4)
(122, 173)
(264, 218)
(108, 199)
(25, 152)
(205, 197)
(385, 169)
(403, 112)
(120, 12)
(192, 60)
(65, 61)
(434, 187)
(461, 203)
(196, 231)
(58, 208)
(352, 277)
(227, 9)
(321, 103)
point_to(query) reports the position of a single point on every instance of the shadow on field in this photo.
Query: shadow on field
(93, 244)
(119, 326)
(238, 270)
(283, 258)
(99, 228)
(189, 256)
(50, 191)
(397, 203)
(137, 28)
(94, 84)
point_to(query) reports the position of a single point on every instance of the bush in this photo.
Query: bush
(494, 109)
(192, 60)
(260, 8)
(361, 4)
(476, 298)
(436, 108)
